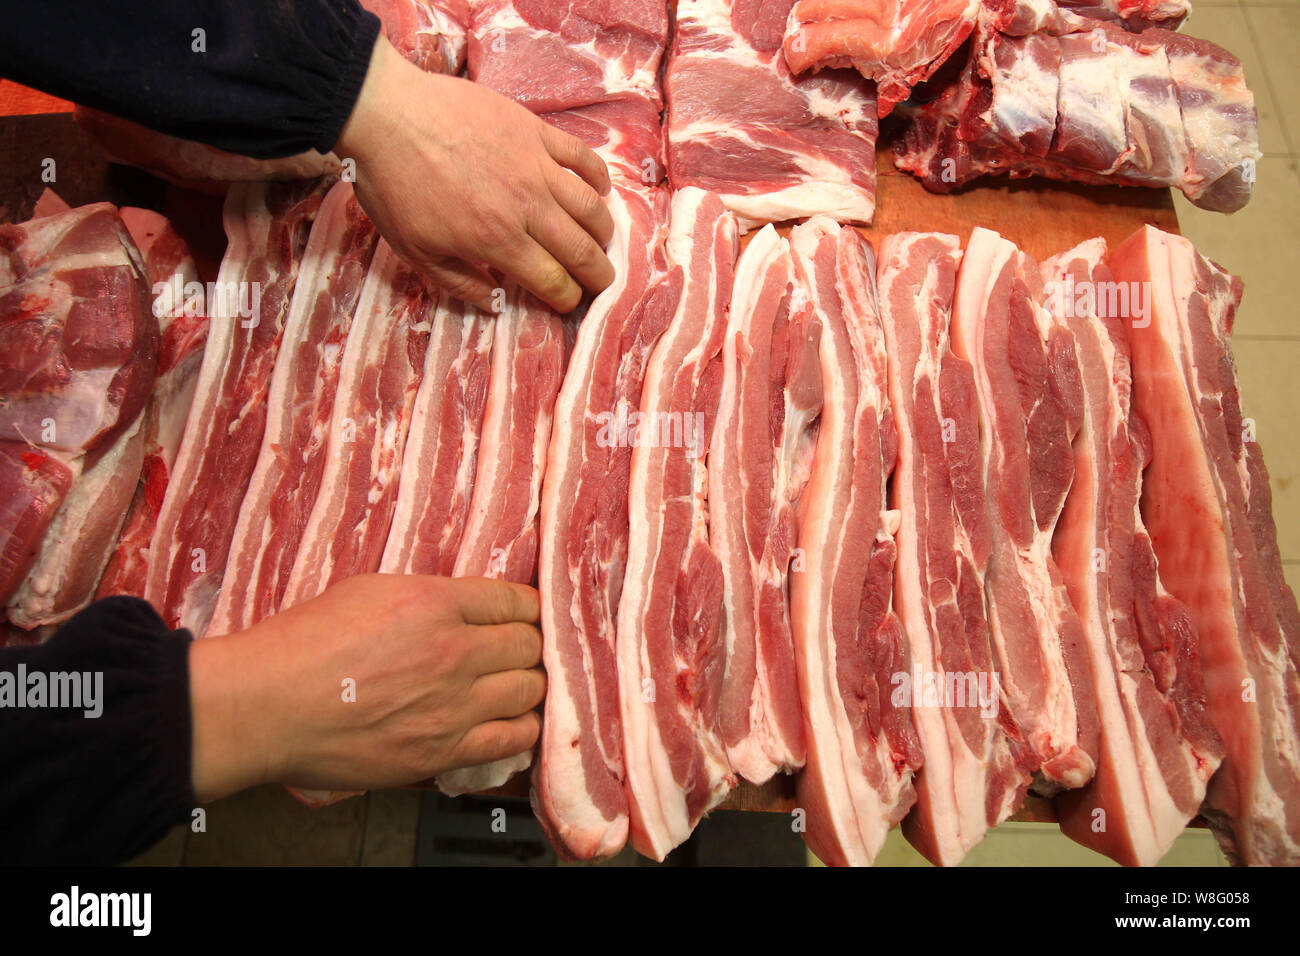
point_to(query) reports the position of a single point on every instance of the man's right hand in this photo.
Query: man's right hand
(459, 180)
(382, 681)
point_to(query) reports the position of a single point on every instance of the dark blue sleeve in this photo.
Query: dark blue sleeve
(103, 775)
(263, 78)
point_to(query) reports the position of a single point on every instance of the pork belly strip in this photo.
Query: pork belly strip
(438, 466)
(300, 400)
(761, 453)
(970, 780)
(383, 361)
(669, 653)
(499, 537)
(578, 790)
(1157, 748)
(1030, 403)
(267, 226)
(862, 746)
(1206, 504)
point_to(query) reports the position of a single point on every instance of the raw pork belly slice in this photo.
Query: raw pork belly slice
(1157, 748)
(1207, 506)
(578, 783)
(970, 780)
(180, 305)
(898, 43)
(773, 146)
(862, 747)
(286, 480)
(551, 56)
(267, 226)
(670, 659)
(1084, 100)
(81, 354)
(383, 362)
(761, 452)
(439, 463)
(1030, 403)
(429, 33)
(500, 537)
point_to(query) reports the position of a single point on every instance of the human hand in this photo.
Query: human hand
(460, 179)
(442, 673)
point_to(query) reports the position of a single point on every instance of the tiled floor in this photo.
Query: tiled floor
(1261, 243)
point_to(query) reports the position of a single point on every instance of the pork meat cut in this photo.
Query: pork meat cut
(898, 43)
(300, 402)
(578, 790)
(1207, 506)
(970, 780)
(551, 56)
(181, 306)
(382, 364)
(267, 226)
(760, 456)
(669, 655)
(849, 645)
(1157, 748)
(1085, 100)
(773, 146)
(441, 457)
(1030, 405)
(81, 346)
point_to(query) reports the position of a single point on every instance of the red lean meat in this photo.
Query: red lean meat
(267, 227)
(862, 747)
(761, 451)
(772, 146)
(578, 784)
(383, 361)
(441, 456)
(1157, 749)
(670, 658)
(1084, 100)
(552, 56)
(180, 305)
(897, 43)
(969, 781)
(1207, 506)
(1030, 405)
(300, 401)
(81, 354)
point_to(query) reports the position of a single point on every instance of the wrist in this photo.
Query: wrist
(364, 124)
(233, 743)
